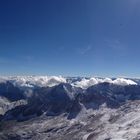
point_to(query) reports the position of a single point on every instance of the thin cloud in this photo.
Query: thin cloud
(114, 44)
(28, 58)
(85, 50)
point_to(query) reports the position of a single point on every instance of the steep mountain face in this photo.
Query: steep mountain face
(10, 97)
(4, 103)
(11, 92)
(112, 95)
(51, 101)
(78, 109)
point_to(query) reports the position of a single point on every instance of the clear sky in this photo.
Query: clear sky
(70, 37)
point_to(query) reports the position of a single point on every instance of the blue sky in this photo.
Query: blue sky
(70, 37)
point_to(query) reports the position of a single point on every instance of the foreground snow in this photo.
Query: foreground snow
(103, 124)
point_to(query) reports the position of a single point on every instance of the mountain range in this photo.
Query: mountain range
(76, 108)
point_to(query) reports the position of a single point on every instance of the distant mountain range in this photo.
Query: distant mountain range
(74, 107)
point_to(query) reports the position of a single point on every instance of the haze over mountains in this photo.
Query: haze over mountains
(77, 108)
